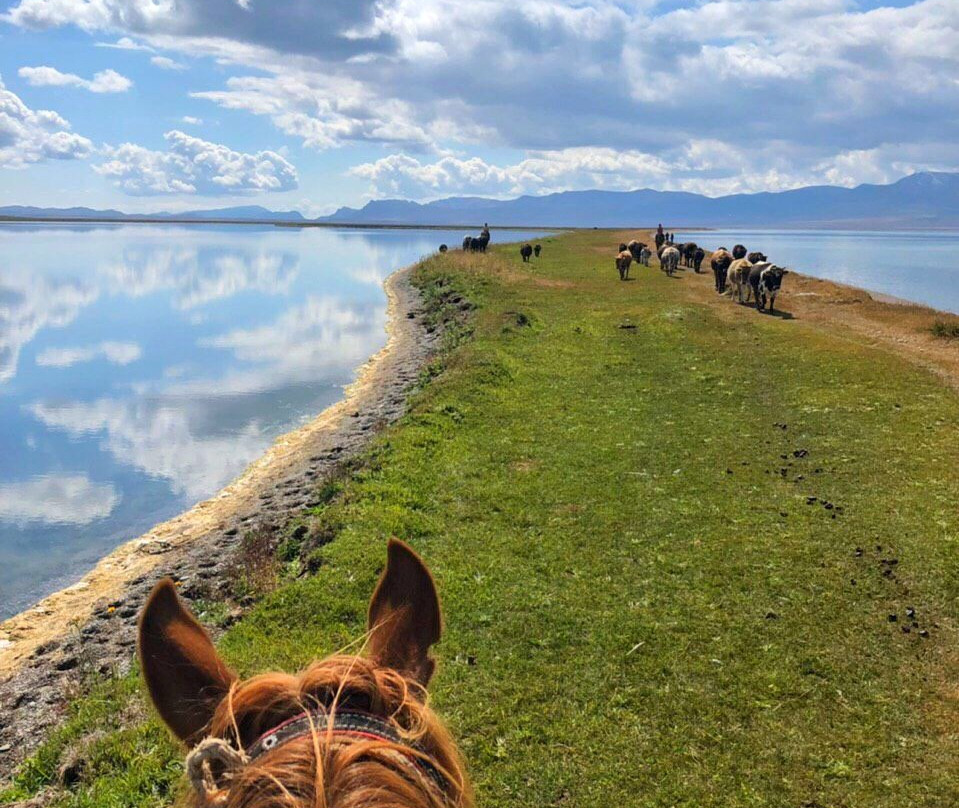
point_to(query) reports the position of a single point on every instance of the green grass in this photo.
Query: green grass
(622, 529)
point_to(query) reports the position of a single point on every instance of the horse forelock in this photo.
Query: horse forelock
(324, 770)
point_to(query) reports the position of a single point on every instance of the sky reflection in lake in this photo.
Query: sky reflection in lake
(142, 367)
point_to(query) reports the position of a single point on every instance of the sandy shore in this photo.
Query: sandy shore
(90, 625)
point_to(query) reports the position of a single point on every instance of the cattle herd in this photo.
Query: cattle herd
(744, 275)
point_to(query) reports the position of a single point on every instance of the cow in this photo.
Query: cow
(738, 278)
(669, 259)
(623, 260)
(526, 251)
(537, 250)
(622, 246)
(660, 240)
(635, 249)
(698, 257)
(757, 257)
(687, 251)
(443, 248)
(765, 280)
(466, 242)
(644, 256)
(720, 263)
(739, 251)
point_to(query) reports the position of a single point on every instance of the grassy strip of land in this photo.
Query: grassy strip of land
(685, 559)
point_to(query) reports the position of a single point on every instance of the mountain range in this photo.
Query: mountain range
(925, 200)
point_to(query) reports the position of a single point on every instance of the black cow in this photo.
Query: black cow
(660, 240)
(443, 248)
(756, 257)
(687, 251)
(739, 251)
(635, 249)
(537, 250)
(766, 279)
(698, 257)
(479, 244)
(466, 242)
(526, 251)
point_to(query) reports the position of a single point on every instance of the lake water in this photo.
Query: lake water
(143, 367)
(919, 267)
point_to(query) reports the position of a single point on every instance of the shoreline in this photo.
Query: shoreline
(90, 625)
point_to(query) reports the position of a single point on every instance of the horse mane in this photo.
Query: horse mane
(323, 770)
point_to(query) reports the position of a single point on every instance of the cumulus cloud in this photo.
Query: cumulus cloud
(166, 63)
(190, 120)
(322, 111)
(31, 136)
(70, 499)
(116, 353)
(194, 166)
(823, 81)
(106, 81)
(704, 166)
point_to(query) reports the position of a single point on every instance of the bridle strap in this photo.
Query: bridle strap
(345, 722)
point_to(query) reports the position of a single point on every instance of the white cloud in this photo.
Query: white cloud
(31, 136)
(322, 111)
(125, 43)
(195, 166)
(166, 63)
(70, 499)
(816, 79)
(191, 121)
(106, 81)
(117, 353)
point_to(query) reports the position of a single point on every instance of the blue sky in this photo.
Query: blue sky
(172, 104)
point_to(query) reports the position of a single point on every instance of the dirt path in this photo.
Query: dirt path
(899, 327)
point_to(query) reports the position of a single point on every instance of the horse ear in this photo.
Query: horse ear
(404, 617)
(184, 674)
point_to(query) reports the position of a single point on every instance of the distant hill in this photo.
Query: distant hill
(924, 200)
(244, 213)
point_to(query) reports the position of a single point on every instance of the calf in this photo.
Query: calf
(623, 260)
(537, 250)
(526, 251)
(766, 279)
(644, 256)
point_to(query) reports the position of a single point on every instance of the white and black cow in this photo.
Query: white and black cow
(765, 280)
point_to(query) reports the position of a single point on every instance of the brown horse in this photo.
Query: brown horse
(348, 731)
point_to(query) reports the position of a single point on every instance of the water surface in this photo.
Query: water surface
(143, 367)
(919, 267)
